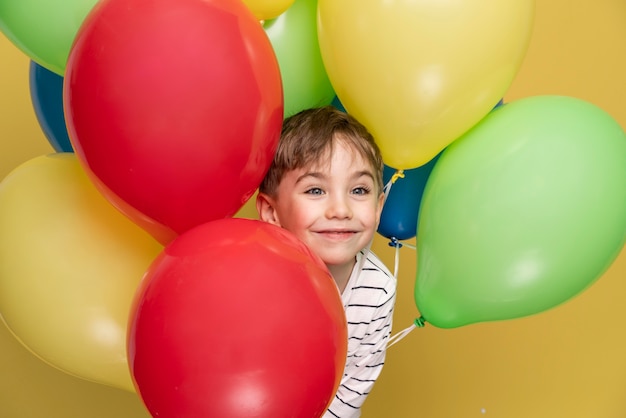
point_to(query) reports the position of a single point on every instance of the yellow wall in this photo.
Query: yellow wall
(567, 362)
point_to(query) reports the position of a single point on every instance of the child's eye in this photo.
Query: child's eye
(315, 191)
(361, 190)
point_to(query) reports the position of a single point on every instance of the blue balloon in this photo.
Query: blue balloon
(500, 103)
(398, 220)
(46, 93)
(337, 104)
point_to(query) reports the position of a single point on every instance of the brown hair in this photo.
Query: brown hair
(311, 134)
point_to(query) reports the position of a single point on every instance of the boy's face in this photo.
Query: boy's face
(333, 206)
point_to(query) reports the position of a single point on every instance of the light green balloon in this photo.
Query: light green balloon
(521, 213)
(293, 35)
(44, 30)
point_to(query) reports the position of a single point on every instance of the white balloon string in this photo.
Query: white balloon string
(418, 323)
(387, 188)
(396, 264)
(395, 243)
(400, 335)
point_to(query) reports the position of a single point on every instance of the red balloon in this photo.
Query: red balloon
(237, 318)
(174, 107)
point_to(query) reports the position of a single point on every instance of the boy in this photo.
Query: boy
(325, 186)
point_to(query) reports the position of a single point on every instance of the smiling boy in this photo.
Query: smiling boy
(325, 186)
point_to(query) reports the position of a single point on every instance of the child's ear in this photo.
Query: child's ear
(379, 209)
(265, 208)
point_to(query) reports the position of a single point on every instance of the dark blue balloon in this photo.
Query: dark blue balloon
(46, 93)
(399, 217)
(337, 103)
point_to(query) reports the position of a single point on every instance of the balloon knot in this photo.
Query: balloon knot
(395, 243)
(399, 174)
(420, 322)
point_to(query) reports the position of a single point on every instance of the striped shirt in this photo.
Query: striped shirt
(368, 300)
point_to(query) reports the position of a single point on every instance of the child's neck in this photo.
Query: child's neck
(341, 273)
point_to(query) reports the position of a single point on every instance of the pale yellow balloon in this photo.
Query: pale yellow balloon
(69, 267)
(268, 9)
(418, 74)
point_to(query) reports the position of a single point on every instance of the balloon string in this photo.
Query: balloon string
(419, 322)
(396, 264)
(394, 242)
(387, 188)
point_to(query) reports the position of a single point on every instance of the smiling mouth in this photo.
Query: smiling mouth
(337, 235)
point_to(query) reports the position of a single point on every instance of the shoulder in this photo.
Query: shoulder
(375, 286)
(369, 304)
(374, 272)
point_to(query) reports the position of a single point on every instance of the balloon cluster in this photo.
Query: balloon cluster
(165, 116)
(500, 197)
(170, 112)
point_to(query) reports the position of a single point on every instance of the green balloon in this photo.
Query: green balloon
(44, 30)
(521, 213)
(293, 35)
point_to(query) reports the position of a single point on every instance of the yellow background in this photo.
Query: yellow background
(566, 362)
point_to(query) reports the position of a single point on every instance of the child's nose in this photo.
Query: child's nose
(338, 207)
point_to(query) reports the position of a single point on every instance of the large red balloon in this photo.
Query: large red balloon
(237, 318)
(174, 107)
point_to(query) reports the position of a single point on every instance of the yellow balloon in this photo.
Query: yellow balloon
(69, 267)
(268, 9)
(418, 74)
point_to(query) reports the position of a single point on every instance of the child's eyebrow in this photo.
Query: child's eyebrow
(314, 174)
(363, 173)
(321, 176)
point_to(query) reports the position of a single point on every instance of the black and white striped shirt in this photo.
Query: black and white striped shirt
(368, 300)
